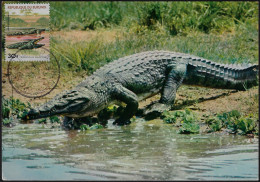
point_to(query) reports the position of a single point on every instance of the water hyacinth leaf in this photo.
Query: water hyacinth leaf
(54, 119)
(43, 120)
(189, 128)
(96, 126)
(84, 127)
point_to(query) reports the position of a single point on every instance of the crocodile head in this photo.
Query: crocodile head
(35, 41)
(32, 44)
(73, 103)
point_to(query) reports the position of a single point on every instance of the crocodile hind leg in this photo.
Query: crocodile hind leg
(127, 96)
(175, 75)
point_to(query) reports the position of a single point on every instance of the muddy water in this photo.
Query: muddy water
(141, 151)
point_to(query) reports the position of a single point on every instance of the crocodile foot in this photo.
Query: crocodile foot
(155, 110)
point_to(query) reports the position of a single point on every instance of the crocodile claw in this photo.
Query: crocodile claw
(155, 110)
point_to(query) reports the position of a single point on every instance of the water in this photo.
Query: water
(141, 151)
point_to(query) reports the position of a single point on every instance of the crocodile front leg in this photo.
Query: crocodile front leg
(127, 96)
(175, 75)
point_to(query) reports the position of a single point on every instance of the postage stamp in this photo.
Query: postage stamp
(27, 32)
(32, 69)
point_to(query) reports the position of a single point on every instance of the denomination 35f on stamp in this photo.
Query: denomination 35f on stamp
(27, 32)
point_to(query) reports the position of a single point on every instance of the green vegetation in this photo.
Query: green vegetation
(95, 126)
(186, 120)
(90, 55)
(174, 17)
(233, 121)
(190, 27)
(220, 31)
(7, 122)
(54, 119)
(43, 22)
(17, 22)
(42, 121)
(13, 106)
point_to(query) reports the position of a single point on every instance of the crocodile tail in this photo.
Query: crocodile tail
(233, 76)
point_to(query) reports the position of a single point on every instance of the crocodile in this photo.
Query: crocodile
(142, 75)
(33, 31)
(29, 44)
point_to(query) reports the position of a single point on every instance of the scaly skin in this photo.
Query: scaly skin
(139, 76)
(30, 44)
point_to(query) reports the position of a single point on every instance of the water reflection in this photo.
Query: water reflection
(143, 150)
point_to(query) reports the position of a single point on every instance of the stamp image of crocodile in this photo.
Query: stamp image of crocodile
(26, 25)
(136, 77)
(29, 44)
(33, 31)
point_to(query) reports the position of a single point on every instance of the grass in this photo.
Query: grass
(240, 46)
(224, 32)
(175, 17)
(221, 31)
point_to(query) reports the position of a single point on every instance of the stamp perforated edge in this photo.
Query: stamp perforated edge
(4, 34)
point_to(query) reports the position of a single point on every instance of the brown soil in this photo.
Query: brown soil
(208, 101)
(36, 81)
(77, 35)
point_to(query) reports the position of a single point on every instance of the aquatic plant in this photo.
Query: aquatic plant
(214, 123)
(234, 121)
(54, 119)
(95, 126)
(13, 106)
(42, 121)
(239, 123)
(7, 122)
(189, 128)
(185, 120)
